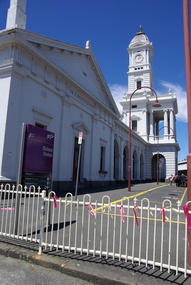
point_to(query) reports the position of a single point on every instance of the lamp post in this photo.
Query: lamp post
(156, 104)
(173, 137)
(186, 22)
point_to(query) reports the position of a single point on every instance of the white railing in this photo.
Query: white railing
(20, 212)
(129, 230)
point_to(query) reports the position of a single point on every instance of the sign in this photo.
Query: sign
(80, 136)
(38, 157)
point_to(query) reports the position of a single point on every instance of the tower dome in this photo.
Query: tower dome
(139, 39)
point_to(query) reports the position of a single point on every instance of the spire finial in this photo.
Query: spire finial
(140, 31)
(88, 45)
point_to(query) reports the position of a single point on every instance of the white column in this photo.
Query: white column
(130, 59)
(171, 122)
(151, 123)
(143, 128)
(165, 122)
(147, 52)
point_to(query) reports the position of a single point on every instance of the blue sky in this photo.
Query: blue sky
(111, 25)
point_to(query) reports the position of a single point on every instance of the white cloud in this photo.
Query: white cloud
(181, 99)
(118, 91)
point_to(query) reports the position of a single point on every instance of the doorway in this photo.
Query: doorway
(160, 159)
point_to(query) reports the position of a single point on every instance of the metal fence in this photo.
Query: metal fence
(127, 231)
(20, 212)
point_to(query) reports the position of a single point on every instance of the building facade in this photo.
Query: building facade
(155, 124)
(60, 87)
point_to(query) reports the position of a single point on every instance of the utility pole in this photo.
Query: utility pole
(188, 88)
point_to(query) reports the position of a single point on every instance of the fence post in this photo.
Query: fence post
(17, 207)
(42, 214)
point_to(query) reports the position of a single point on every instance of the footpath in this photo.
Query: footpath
(95, 270)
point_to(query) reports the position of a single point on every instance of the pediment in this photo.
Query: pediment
(77, 64)
(80, 65)
(81, 69)
(134, 117)
(81, 127)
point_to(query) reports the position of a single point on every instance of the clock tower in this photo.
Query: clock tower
(140, 75)
(155, 123)
(146, 119)
(140, 62)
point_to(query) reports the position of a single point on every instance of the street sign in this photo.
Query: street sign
(38, 157)
(80, 136)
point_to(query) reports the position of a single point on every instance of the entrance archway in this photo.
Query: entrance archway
(161, 167)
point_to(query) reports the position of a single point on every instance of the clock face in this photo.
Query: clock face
(138, 58)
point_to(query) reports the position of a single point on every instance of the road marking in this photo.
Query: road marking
(181, 200)
(136, 195)
(130, 197)
(160, 202)
(143, 218)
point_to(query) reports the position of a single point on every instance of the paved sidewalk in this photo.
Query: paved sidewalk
(95, 270)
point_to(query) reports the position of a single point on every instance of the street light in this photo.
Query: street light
(186, 22)
(156, 104)
(173, 137)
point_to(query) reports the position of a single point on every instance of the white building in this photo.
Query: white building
(157, 126)
(60, 87)
(182, 167)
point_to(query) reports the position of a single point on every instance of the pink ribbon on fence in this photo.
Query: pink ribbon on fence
(91, 210)
(186, 212)
(122, 213)
(135, 214)
(162, 210)
(55, 198)
(10, 209)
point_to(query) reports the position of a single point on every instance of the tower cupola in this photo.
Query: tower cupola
(139, 39)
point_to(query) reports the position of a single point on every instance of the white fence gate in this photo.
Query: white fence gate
(128, 231)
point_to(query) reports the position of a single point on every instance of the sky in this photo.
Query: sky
(110, 25)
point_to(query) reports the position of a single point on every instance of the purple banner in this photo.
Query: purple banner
(38, 151)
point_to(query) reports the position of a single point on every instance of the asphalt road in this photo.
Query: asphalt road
(155, 193)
